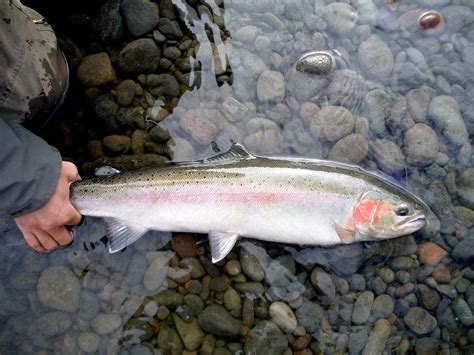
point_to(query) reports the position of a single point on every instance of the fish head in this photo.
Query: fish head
(381, 215)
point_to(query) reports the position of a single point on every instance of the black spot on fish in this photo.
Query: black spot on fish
(104, 240)
(7, 20)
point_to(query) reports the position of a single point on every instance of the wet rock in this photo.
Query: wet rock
(357, 282)
(395, 247)
(217, 321)
(107, 24)
(375, 58)
(332, 123)
(251, 266)
(309, 315)
(235, 109)
(116, 144)
(420, 321)
(464, 250)
(304, 86)
(466, 187)
(352, 148)
(23, 280)
(388, 155)
(324, 285)
(190, 333)
(88, 342)
(141, 16)
(246, 34)
(184, 245)
(466, 215)
(357, 340)
(162, 85)
(232, 300)
(377, 106)
(159, 134)
(138, 140)
(264, 141)
(382, 307)
(125, 92)
(155, 276)
(233, 268)
(378, 338)
(170, 28)
(106, 110)
(254, 288)
(139, 56)
(266, 338)
(462, 310)
(362, 307)
(417, 104)
(202, 125)
(106, 323)
(130, 162)
(130, 116)
(347, 87)
(426, 346)
(316, 63)
(307, 111)
(50, 324)
(444, 111)
(282, 315)
(421, 145)
(59, 288)
(96, 70)
(270, 86)
(169, 341)
(341, 18)
(94, 149)
(431, 253)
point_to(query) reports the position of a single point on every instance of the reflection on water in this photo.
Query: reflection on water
(393, 93)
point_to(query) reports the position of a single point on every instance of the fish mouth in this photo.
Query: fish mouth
(419, 220)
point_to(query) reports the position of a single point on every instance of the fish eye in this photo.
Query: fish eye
(402, 210)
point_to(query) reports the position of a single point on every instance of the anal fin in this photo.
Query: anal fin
(221, 244)
(346, 235)
(122, 235)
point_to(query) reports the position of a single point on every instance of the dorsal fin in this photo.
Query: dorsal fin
(235, 153)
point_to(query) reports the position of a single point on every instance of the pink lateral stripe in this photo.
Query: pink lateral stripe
(231, 195)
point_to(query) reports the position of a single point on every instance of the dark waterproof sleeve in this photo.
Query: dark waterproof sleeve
(29, 170)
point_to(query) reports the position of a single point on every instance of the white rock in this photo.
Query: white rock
(283, 316)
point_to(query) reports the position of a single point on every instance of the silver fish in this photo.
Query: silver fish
(234, 194)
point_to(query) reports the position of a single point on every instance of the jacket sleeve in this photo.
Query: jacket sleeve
(29, 170)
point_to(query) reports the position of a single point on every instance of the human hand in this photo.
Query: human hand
(47, 228)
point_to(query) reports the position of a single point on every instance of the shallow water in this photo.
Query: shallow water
(397, 97)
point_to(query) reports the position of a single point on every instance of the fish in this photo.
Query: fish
(236, 194)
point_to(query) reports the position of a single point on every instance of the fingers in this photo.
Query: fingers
(61, 235)
(33, 242)
(46, 240)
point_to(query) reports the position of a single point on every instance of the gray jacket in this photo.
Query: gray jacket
(33, 78)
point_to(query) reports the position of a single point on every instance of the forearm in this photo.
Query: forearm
(29, 170)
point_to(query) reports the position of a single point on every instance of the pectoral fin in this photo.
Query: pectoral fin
(221, 244)
(346, 235)
(122, 235)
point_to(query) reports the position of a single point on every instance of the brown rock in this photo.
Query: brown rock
(441, 274)
(353, 148)
(430, 253)
(332, 123)
(404, 290)
(184, 245)
(96, 70)
(202, 125)
(307, 111)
